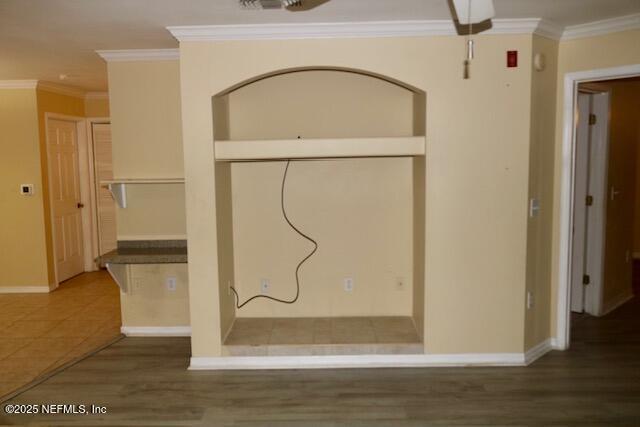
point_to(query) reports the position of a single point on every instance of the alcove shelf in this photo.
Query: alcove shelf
(118, 189)
(246, 150)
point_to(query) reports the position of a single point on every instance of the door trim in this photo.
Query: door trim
(571, 81)
(86, 181)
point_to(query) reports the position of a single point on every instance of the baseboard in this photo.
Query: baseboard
(617, 302)
(539, 350)
(152, 237)
(554, 344)
(156, 331)
(24, 289)
(357, 361)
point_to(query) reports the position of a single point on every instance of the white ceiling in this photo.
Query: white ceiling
(42, 39)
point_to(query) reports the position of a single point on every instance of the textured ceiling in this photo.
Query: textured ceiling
(41, 39)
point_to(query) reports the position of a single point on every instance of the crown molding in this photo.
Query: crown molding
(60, 89)
(18, 84)
(606, 26)
(350, 30)
(96, 95)
(549, 29)
(130, 55)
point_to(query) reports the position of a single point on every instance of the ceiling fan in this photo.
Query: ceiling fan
(291, 5)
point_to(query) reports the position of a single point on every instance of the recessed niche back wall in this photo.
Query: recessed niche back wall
(359, 210)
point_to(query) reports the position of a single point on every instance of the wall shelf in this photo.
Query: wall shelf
(118, 187)
(237, 150)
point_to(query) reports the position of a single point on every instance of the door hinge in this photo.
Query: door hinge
(592, 119)
(589, 201)
(586, 279)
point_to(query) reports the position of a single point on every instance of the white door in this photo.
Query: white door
(580, 197)
(589, 202)
(64, 187)
(106, 208)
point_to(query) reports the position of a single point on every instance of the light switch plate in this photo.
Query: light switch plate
(26, 189)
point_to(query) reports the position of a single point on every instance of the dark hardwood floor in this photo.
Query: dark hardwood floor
(143, 381)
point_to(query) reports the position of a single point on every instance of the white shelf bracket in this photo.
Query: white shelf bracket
(119, 192)
(119, 274)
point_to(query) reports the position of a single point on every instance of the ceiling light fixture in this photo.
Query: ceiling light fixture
(291, 5)
(470, 12)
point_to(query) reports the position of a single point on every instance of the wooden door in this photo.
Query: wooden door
(64, 187)
(106, 207)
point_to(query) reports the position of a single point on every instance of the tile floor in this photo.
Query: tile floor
(321, 336)
(40, 332)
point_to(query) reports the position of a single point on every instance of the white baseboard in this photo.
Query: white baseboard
(24, 289)
(156, 331)
(357, 361)
(152, 237)
(617, 302)
(539, 350)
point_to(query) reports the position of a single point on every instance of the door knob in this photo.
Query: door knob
(80, 205)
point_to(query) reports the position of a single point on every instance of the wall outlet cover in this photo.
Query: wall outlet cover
(348, 284)
(264, 286)
(171, 283)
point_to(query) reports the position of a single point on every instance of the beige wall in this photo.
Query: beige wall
(624, 138)
(23, 251)
(149, 303)
(541, 157)
(30, 260)
(359, 210)
(145, 121)
(591, 53)
(96, 107)
(477, 174)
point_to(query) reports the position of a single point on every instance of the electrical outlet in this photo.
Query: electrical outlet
(530, 301)
(400, 283)
(348, 284)
(264, 286)
(171, 283)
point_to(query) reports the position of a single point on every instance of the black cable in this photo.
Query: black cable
(315, 248)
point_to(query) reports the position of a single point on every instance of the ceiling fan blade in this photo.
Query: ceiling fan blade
(481, 10)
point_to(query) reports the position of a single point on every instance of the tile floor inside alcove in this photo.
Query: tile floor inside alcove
(322, 336)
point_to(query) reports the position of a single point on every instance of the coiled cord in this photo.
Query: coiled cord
(297, 230)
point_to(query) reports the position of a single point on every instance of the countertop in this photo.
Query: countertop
(146, 252)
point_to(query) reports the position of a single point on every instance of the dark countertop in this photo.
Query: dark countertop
(146, 252)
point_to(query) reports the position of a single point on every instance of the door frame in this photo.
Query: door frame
(94, 185)
(571, 82)
(87, 181)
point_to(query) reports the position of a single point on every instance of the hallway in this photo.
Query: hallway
(41, 332)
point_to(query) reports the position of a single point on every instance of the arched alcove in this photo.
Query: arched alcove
(359, 192)
(318, 103)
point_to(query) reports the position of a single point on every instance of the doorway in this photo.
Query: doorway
(65, 196)
(103, 167)
(82, 211)
(614, 258)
